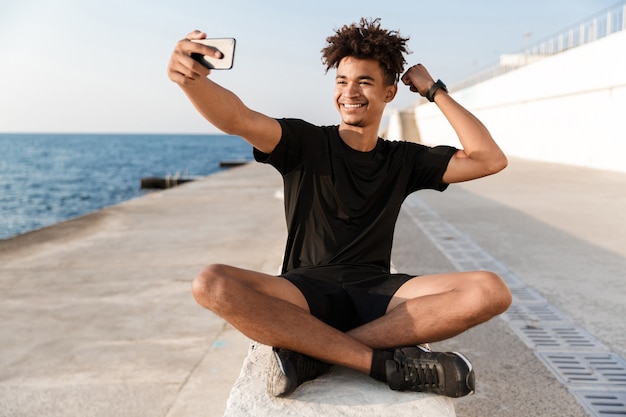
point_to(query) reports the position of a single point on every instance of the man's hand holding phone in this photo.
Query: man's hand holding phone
(196, 49)
(221, 56)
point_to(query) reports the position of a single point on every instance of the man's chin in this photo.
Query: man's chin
(353, 122)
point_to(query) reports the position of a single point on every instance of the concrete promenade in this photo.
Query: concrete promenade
(97, 318)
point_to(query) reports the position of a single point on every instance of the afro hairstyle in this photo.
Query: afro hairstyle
(368, 41)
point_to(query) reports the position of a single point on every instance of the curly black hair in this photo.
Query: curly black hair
(368, 41)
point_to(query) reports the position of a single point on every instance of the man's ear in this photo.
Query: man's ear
(391, 93)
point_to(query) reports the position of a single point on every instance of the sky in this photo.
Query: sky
(88, 66)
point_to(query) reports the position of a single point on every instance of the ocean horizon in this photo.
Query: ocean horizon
(47, 178)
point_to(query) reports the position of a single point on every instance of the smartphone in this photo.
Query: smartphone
(225, 45)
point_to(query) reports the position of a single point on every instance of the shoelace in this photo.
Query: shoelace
(421, 375)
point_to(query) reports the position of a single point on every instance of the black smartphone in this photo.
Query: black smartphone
(225, 45)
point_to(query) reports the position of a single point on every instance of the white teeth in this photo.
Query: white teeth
(352, 106)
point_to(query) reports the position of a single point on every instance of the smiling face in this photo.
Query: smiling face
(361, 93)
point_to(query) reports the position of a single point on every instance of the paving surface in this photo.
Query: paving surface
(97, 318)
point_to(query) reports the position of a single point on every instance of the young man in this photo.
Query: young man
(336, 301)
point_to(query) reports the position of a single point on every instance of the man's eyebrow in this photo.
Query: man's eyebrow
(360, 77)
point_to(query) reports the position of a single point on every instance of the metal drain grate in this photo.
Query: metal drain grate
(526, 295)
(460, 250)
(602, 403)
(535, 313)
(594, 375)
(558, 338)
(587, 368)
(511, 280)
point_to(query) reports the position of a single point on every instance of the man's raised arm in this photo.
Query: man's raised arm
(481, 155)
(221, 107)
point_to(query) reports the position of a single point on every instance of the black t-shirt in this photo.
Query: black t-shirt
(341, 205)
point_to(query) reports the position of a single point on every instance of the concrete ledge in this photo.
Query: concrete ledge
(342, 392)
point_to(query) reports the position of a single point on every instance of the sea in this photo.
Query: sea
(49, 178)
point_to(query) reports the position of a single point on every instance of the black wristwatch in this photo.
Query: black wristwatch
(430, 95)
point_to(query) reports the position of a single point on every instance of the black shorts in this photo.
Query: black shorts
(346, 296)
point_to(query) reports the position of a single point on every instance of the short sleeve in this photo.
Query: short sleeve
(299, 140)
(429, 165)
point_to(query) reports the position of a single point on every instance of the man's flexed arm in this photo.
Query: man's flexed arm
(480, 156)
(219, 106)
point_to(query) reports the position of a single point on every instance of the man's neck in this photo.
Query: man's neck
(361, 139)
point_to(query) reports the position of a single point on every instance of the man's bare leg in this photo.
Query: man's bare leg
(272, 311)
(429, 309)
(432, 308)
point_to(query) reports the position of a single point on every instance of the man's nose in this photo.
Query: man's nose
(352, 90)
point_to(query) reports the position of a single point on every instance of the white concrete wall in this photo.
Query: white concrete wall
(401, 126)
(569, 108)
(394, 127)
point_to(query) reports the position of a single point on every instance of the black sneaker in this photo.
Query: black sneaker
(290, 369)
(420, 369)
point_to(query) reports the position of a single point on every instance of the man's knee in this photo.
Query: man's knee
(210, 286)
(495, 295)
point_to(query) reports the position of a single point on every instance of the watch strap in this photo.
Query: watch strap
(430, 95)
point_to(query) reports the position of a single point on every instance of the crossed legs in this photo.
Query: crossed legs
(272, 311)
